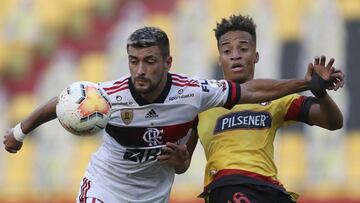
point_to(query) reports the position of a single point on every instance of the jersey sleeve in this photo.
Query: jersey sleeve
(297, 108)
(217, 93)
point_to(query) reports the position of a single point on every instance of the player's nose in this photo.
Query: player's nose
(235, 55)
(141, 70)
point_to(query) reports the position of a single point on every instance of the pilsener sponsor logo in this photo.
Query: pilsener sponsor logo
(243, 120)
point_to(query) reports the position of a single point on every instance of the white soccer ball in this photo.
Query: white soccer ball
(83, 108)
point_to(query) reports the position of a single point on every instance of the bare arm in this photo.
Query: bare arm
(262, 90)
(326, 114)
(42, 114)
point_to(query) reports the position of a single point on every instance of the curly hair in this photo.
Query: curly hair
(236, 23)
(149, 36)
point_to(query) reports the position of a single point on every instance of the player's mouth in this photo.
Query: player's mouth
(141, 81)
(237, 67)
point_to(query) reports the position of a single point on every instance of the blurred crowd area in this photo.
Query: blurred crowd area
(46, 45)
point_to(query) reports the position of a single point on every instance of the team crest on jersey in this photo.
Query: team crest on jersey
(127, 115)
(153, 136)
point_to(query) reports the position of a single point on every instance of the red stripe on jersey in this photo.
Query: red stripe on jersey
(117, 90)
(233, 92)
(185, 84)
(84, 188)
(117, 86)
(174, 75)
(81, 196)
(293, 113)
(226, 172)
(121, 81)
(184, 80)
(234, 95)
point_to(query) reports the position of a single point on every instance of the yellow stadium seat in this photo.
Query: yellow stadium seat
(219, 9)
(3, 54)
(162, 21)
(289, 18)
(6, 8)
(92, 67)
(85, 147)
(352, 157)
(18, 173)
(52, 15)
(350, 9)
(80, 5)
(21, 106)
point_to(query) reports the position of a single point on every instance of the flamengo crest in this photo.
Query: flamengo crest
(153, 136)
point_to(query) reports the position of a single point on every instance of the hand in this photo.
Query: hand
(11, 144)
(176, 156)
(321, 77)
(339, 82)
(337, 76)
(325, 72)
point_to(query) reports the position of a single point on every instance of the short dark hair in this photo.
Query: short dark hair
(236, 23)
(150, 36)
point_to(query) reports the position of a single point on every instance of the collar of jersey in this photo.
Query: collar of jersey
(141, 101)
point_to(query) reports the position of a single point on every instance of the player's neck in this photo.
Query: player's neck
(240, 81)
(154, 94)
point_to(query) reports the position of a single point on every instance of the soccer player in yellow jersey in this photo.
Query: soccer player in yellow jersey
(238, 143)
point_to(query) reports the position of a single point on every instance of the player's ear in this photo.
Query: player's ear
(256, 57)
(219, 61)
(168, 62)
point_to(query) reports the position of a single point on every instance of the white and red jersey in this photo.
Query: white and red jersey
(125, 165)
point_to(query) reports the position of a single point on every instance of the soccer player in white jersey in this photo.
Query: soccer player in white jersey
(152, 107)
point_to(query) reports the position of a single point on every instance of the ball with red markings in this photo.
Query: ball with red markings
(83, 108)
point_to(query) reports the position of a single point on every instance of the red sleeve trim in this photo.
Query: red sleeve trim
(294, 110)
(234, 95)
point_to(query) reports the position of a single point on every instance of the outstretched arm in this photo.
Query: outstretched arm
(261, 90)
(42, 114)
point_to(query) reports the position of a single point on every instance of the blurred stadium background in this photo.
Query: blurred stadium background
(45, 45)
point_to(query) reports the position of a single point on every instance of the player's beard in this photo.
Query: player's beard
(151, 87)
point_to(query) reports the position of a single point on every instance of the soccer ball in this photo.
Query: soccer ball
(83, 108)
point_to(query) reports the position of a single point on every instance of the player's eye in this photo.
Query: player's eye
(133, 61)
(150, 61)
(243, 49)
(226, 51)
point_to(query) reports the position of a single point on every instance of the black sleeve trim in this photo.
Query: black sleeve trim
(305, 109)
(234, 95)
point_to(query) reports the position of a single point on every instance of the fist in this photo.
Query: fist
(10, 143)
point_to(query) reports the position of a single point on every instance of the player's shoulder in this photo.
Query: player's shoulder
(287, 98)
(118, 81)
(182, 80)
(115, 85)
